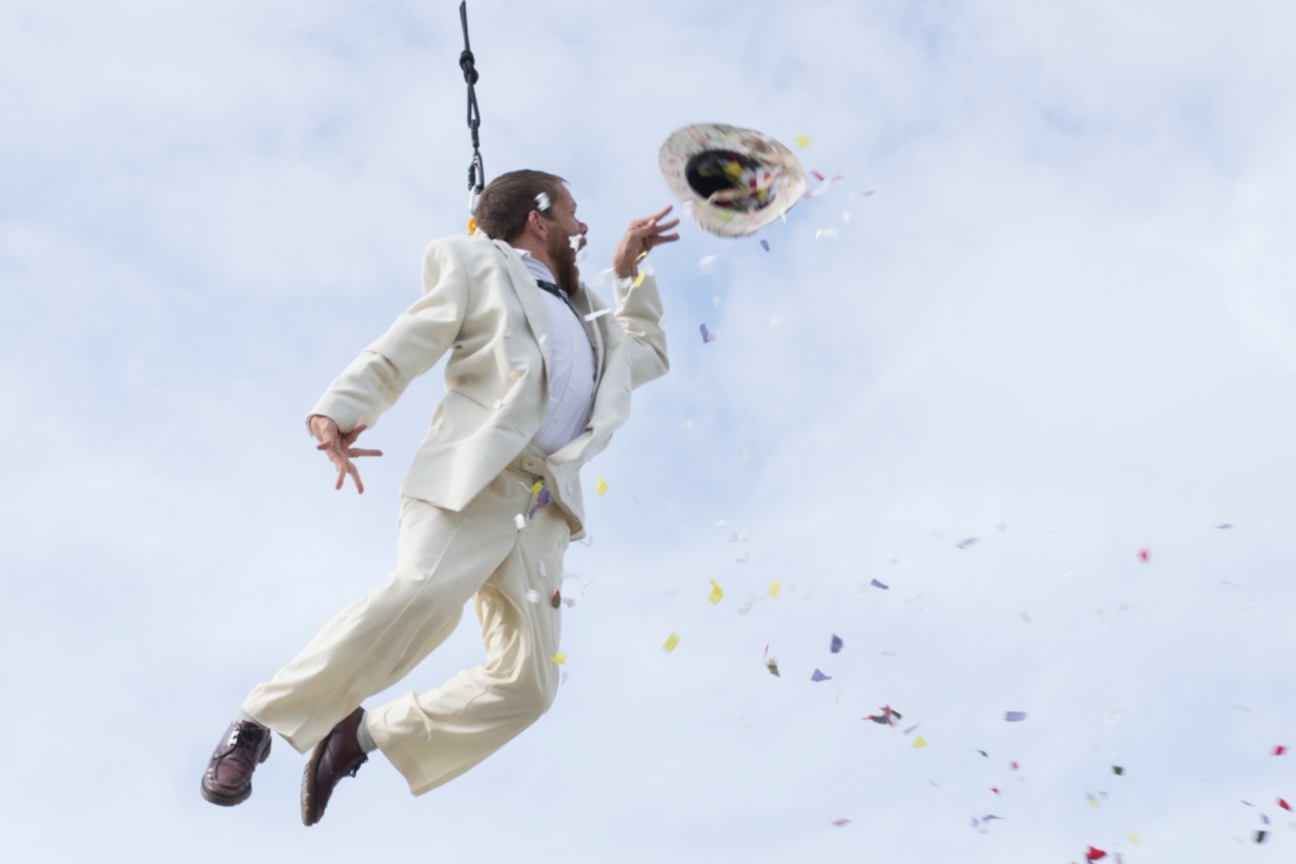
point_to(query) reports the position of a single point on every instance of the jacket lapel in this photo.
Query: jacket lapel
(528, 294)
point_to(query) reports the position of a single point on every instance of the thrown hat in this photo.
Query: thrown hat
(737, 180)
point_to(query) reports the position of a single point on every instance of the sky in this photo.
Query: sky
(1049, 306)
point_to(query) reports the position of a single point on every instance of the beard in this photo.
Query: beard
(566, 273)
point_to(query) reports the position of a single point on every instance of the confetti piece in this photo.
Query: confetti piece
(912, 728)
(886, 718)
(707, 336)
(963, 544)
(556, 600)
(542, 202)
(1015, 716)
(1025, 616)
(715, 594)
(765, 245)
(876, 584)
(532, 595)
(598, 314)
(1224, 526)
(472, 225)
(706, 263)
(984, 753)
(671, 641)
(559, 658)
(919, 742)
(774, 588)
(1013, 766)
(819, 676)
(994, 789)
(1091, 800)
(835, 645)
(772, 665)
(1260, 836)
(1002, 526)
(802, 141)
(1095, 854)
(638, 280)
(1144, 555)
(715, 301)
(1279, 750)
(1133, 838)
(520, 521)
(600, 487)
(1284, 805)
(1118, 770)
(839, 823)
(539, 484)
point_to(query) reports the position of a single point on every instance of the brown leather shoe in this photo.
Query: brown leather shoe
(337, 756)
(228, 778)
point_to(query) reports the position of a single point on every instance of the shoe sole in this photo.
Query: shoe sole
(308, 782)
(231, 800)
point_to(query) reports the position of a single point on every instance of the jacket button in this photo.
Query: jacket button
(507, 332)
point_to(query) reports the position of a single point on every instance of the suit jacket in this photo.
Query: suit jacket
(482, 305)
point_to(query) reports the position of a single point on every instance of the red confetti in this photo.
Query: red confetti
(1284, 805)
(841, 822)
(1013, 766)
(1144, 555)
(994, 789)
(1095, 854)
(1279, 750)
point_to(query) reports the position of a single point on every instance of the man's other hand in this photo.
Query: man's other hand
(339, 450)
(640, 238)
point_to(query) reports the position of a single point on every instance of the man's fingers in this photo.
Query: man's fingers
(353, 453)
(355, 475)
(341, 475)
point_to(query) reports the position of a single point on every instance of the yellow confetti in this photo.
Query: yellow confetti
(472, 225)
(539, 484)
(639, 280)
(919, 742)
(642, 255)
(600, 487)
(559, 658)
(775, 587)
(716, 593)
(802, 141)
(671, 641)
(732, 168)
(1132, 838)
(1093, 802)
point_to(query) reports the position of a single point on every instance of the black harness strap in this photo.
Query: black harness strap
(476, 170)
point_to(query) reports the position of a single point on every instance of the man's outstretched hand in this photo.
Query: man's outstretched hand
(640, 238)
(338, 448)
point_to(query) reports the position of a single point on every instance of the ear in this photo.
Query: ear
(537, 225)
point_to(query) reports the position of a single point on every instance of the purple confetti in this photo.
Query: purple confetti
(876, 584)
(1015, 716)
(912, 728)
(819, 676)
(836, 644)
(545, 498)
(963, 544)
(706, 335)
(765, 245)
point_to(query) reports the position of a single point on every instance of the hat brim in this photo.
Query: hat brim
(684, 144)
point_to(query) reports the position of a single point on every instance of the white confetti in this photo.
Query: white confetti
(542, 201)
(520, 521)
(1002, 526)
(845, 216)
(532, 595)
(715, 301)
(744, 559)
(706, 263)
(568, 602)
(544, 571)
(825, 232)
(597, 314)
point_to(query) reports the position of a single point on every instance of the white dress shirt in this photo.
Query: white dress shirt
(571, 371)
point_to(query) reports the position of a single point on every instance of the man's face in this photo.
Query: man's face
(563, 227)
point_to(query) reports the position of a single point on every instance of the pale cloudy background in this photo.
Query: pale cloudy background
(1066, 311)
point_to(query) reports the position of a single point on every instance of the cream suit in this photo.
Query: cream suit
(461, 498)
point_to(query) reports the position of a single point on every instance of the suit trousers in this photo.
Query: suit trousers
(444, 559)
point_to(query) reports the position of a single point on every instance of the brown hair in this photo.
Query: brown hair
(508, 200)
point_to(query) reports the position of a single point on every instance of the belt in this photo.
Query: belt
(530, 465)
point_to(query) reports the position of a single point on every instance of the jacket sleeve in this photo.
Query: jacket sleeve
(412, 345)
(639, 312)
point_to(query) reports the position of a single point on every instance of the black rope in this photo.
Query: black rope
(476, 170)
